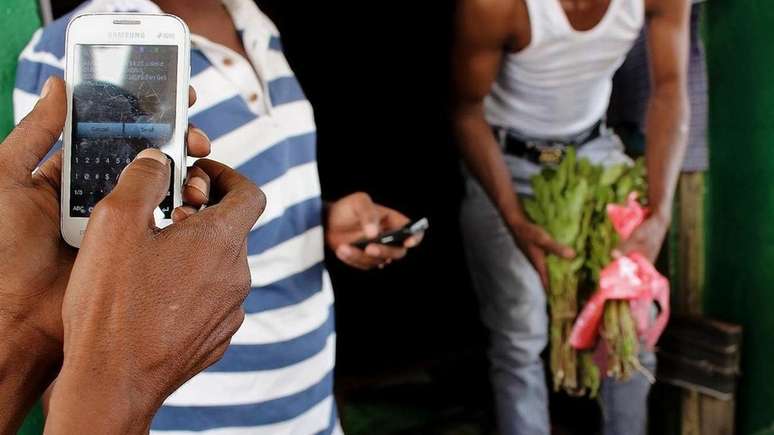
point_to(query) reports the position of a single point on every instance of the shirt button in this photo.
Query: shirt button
(228, 61)
(252, 98)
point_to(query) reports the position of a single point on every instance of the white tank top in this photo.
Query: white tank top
(560, 84)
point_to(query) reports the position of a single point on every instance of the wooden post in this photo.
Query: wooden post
(701, 414)
(687, 272)
(691, 421)
(689, 282)
(717, 416)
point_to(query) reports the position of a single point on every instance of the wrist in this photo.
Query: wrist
(25, 343)
(662, 214)
(27, 367)
(107, 402)
(514, 218)
(508, 204)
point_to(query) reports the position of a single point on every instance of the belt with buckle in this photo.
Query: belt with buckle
(543, 152)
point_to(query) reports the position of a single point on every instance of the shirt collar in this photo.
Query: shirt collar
(245, 13)
(143, 6)
(255, 28)
(248, 19)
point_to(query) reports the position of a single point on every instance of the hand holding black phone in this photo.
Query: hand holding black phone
(397, 237)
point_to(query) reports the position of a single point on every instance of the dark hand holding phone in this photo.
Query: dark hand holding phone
(397, 237)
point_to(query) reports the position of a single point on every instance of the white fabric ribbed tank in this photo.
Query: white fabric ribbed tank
(560, 84)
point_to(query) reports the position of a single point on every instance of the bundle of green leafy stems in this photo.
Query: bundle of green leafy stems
(570, 202)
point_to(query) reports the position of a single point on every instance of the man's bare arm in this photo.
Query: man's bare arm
(668, 111)
(667, 123)
(28, 363)
(485, 30)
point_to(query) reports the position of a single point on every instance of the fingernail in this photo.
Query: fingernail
(371, 230)
(198, 184)
(46, 88)
(154, 154)
(411, 242)
(201, 132)
(372, 250)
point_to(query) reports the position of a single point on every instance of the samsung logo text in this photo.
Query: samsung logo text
(126, 35)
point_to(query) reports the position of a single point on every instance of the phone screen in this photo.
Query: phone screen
(124, 100)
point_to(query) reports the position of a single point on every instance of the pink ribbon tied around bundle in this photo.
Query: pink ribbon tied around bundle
(631, 277)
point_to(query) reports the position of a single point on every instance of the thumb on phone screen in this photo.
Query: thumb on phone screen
(142, 186)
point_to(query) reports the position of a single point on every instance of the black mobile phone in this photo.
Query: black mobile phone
(397, 237)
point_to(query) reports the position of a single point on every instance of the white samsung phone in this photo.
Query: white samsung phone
(127, 90)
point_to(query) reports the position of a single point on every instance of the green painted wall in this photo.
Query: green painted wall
(740, 267)
(33, 425)
(19, 20)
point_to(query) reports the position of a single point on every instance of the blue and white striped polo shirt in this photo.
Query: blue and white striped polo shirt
(276, 378)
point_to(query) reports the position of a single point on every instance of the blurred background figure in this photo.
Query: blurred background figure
(534, 78)
(278, 372)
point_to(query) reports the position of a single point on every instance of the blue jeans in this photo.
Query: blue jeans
(513, 308)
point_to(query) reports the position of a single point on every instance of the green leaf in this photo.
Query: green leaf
(534, 211)
(611, 174)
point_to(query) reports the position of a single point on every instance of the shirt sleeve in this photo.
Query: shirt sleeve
(37, 63)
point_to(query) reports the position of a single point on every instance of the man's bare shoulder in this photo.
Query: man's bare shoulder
(665, 7)
(492, 20)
